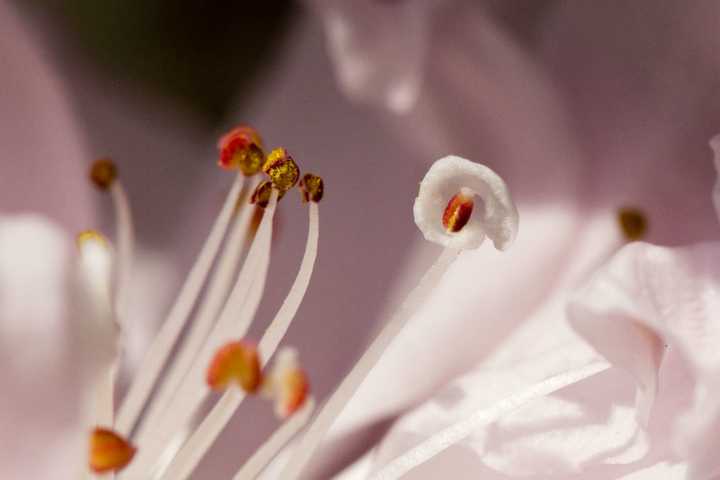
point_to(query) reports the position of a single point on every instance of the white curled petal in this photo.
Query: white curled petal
(494, 216)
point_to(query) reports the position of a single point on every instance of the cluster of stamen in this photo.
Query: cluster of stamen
(228, 360)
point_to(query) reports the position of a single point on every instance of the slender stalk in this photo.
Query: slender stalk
(337, 401)
(217, 293)
(125, 246)
(462, 429)
(161, 347)
(216, 420)
(234, 322)
(270, 449)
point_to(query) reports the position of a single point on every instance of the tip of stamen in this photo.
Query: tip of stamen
(312, 188)
(282, 169)
(287, 383)
(109, 452)
(241, 148)
(261, 195)
(458, 212)
(87, 236)
(103, 173)
(237, 362)
(632, 222)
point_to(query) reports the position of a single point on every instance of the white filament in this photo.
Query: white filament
(234, 322)
(216, 420)
(209, 309)
(270, 449)
(161, 347)
(125, 245)
(334, 406)
(462, 429)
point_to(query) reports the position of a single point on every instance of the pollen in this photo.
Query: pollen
(311, 188)
(103, 173)
(237, 362)
(241, 148)
(632, 223)
(109, 452)
(458, 212)
(282, 169)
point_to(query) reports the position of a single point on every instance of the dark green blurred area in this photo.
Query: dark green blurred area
(203, 54)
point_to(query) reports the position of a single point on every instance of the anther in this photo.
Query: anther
(109, 452)
(261, 195)
(103, 173)
(282, 169)
(311, 188)
(632, 222)
(458, 212)
(235, 362)
(83, 238)
(241, 148)
(287, 383)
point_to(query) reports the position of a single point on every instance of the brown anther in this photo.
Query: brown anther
(458, 212)
(282, 169)
(261, 195)
(311, 188)
(235, 362)
(103, 173)
(109, 452)
(632, 222)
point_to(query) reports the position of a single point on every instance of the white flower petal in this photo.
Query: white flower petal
(495, 215)
(647, 297)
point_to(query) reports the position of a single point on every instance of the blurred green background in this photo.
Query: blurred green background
(202, 54)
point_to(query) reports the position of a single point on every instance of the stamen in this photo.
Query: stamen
(270, 449)
(235, 362)
(282, 169)
(95, 270)
(217, 418)
(633, 223)
(458, 431)
(161, 347)
(217, 293)
(287, 383)
(450, 174)
(241, 148)
(234, 322)
(312, 188)
(109, 452)
(261, 195)
(103, 173)
(126, 247)
(288, 386)
(458, 212)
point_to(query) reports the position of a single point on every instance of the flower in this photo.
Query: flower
(509, 86)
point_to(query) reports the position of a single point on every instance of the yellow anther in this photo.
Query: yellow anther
(282, 169)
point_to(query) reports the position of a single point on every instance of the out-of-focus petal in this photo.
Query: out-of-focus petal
(42, 156)
(715, 145)
(45, 397)
(650, 298)
(378, 48)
